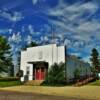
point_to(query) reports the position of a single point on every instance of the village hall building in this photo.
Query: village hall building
(36, 61)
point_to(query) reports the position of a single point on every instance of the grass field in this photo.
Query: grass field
(96, 83)
(9, 83)
(87, 92)
(90, 91)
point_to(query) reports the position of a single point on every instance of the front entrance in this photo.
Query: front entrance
(40, 73)
(40, 70)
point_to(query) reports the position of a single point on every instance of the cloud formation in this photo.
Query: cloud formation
(77, 24)
(15, 38)
(14, 17)
(34, 1)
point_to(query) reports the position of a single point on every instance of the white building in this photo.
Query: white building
(36, 61)
(73, 63)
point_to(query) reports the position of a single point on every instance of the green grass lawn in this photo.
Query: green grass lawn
(96, 83)
(9, 83)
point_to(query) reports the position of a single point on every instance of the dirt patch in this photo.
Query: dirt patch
(87, 92)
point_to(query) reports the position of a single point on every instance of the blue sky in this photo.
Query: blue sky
(76, 23)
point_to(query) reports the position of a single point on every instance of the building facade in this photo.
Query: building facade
(36, 61)
(73, 63)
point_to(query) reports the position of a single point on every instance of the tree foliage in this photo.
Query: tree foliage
(56, 74)
(5, 55)
(95, 59)
(32, 44)
(20, 73)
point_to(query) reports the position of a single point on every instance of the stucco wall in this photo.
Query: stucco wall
(48, 53)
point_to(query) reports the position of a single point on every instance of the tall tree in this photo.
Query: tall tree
(32, 44)
(95, 59)
(5, 55)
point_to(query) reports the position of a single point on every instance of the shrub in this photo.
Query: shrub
(20, 73)
(9, 83)
(9, 79)
(56, 74)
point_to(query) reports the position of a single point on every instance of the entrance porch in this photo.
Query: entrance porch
(40, 70)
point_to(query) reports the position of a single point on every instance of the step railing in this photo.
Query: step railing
(83, 82)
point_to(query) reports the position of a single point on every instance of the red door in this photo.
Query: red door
(40, 74)
(37, 74)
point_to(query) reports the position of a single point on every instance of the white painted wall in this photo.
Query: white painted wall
(23, 63)
(61, 54)
(51, 54)
(48, 53)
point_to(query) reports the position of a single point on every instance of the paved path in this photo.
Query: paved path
(6, 95)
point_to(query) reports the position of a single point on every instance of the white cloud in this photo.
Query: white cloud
(76, 54)
(23, 29)
(17, 16)
(12, 47)
(44, 38)
(67, 42)
(76, 8)
(76, 23)
(87, 59)
(29, 39)
(10, 30)
(89, 26)
(37, 33)
(73, 18)
(34, 2)
(3, 31)
(16, 38)
(31, 29)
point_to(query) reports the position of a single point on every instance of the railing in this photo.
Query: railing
(81, 82)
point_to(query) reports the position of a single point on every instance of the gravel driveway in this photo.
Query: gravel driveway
(6, 95)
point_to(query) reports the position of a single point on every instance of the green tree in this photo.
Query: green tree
(20, 73)
(56, 74)
(95, 59)
(5, 56)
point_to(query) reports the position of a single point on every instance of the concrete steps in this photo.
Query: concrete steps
(34, 82)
